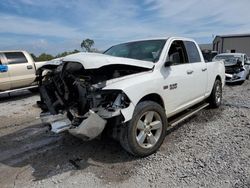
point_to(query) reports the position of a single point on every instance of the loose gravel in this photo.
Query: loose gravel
(210, 149)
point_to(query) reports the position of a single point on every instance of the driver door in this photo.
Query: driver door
(178, 79)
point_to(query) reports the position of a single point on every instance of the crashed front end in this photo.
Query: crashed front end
(235, 73)
(73, 98)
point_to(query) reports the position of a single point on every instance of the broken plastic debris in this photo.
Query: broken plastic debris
(59, 123)
(90, 128)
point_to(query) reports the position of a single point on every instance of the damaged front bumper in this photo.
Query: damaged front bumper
(92, 122)
(75, 100)
(235, 73)
(236, 77)
(89, 129)
(58, 123)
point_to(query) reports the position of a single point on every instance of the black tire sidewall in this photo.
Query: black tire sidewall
(213, 101)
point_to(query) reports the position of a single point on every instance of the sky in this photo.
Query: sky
(54, 26)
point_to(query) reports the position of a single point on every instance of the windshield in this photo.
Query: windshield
(228, 59)
(149, 50)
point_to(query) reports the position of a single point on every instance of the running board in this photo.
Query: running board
(187, 113)
(19, 89)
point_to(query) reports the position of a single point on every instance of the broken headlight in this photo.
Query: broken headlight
(113, 99)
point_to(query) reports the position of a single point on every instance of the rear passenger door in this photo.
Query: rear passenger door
(21, 72)
(199, 73)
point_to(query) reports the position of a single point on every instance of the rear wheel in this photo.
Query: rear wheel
(216, 95)
(144, 134)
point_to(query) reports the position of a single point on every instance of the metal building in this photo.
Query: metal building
(232, 43)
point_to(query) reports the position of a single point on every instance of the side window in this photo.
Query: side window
(15, 57)
(177, 53)
(192, 52)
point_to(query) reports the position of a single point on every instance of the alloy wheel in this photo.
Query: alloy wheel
(148, 129)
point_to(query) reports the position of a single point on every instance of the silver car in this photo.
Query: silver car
(237, 66)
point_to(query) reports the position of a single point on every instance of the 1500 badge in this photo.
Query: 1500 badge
(171, 86)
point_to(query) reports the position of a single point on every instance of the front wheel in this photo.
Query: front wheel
(248, 76)
(144, 134)
(216, 95)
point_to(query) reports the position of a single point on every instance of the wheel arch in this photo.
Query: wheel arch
(153, 97)
(218, 77)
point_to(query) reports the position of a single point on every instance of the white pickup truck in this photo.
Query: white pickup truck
(133, 91)
(17, 71)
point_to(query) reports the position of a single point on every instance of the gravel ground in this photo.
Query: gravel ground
(211, 149)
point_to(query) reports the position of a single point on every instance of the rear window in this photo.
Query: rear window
(15, 57)
(192, 52)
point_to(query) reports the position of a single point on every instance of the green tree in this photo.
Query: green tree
(45, 57)
(66, 53)
(87, 44)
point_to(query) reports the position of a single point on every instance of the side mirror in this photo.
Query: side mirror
(247, 62)
(168, 63)
(3, 68)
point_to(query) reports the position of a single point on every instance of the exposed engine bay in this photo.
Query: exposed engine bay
(70, 91)
(234, 69)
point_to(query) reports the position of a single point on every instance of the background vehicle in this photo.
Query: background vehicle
(135, 91)
(237, 66)
(209, 55)
(17, 71)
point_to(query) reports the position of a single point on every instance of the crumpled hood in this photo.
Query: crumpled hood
(228, 64)
(96, 60)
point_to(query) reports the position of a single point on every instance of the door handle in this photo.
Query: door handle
(190, 71)
(204, 69)
(29, 67)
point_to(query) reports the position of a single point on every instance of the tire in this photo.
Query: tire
(216, 95)
(145, 132)
(248, 76)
